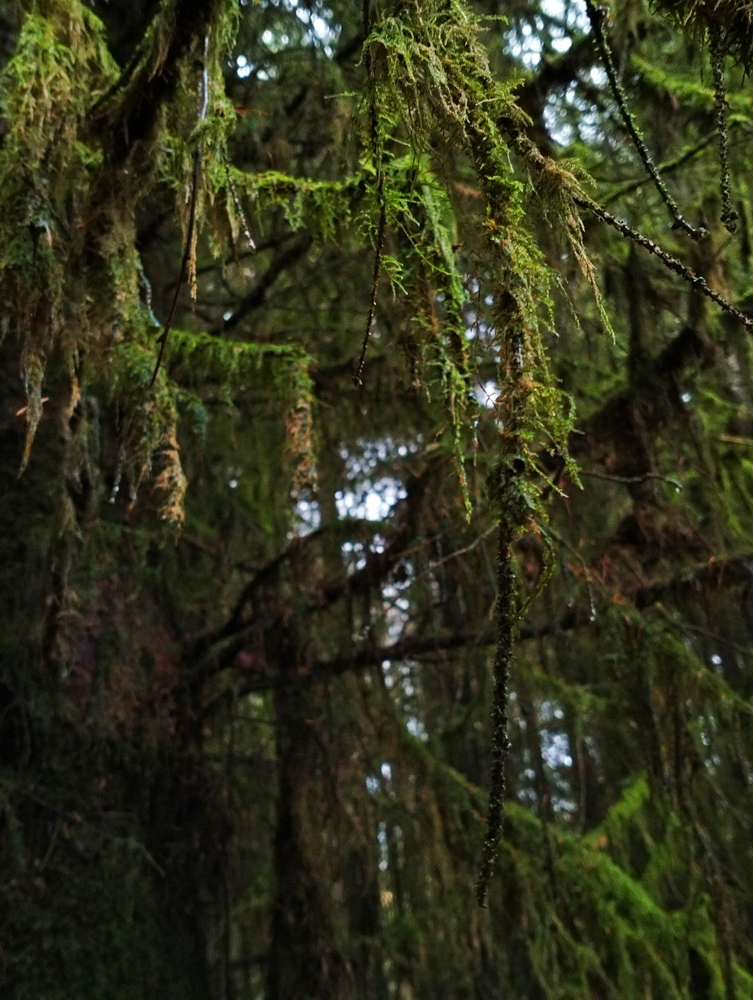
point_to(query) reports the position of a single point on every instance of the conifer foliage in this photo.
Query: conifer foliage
(376, 535)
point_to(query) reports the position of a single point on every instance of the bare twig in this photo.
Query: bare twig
(629, 480)
(743, 650)
(665, 168)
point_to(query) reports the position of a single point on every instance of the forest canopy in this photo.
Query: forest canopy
(376, 501)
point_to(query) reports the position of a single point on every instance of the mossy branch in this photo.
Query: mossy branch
(189, 248)
(505, 621)
(597, 16)
(671, 263)
(721, 110)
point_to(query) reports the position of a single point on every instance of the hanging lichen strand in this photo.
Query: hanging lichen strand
(426, 57)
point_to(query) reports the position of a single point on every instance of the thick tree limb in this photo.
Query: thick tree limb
(238, 621)
(135, 117)
(555, 73)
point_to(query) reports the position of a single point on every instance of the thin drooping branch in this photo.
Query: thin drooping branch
(162, 341)
(522, 144)
(631, 480)
(666, 168)
(671, 263)
(731, 572)
(596, 16)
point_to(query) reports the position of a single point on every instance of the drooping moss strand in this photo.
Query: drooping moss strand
(500, 748)
(194, 195)
(721, 109)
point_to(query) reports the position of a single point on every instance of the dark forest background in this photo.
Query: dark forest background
(255, 613)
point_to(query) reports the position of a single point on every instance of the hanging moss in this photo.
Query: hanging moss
(263, 660)
(732, 21)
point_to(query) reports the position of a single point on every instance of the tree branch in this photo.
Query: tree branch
(718, 573)
(150, 85)
(730, 572)
(256, 298)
